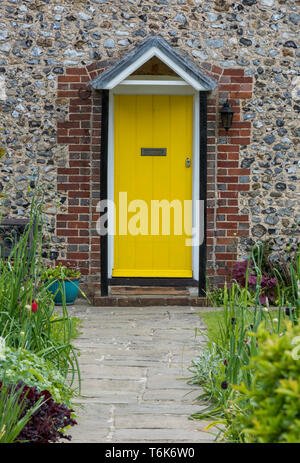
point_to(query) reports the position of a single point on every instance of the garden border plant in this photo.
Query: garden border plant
(268, 409)
(35, 351)
(14, 412)
(27, 310)
(32, 416)
(229, 355)
(274, 274)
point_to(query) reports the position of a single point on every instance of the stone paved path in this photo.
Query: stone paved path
(134, 364)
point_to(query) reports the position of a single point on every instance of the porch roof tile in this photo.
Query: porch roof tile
(104, 80)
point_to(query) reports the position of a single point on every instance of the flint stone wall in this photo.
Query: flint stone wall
(40, 40)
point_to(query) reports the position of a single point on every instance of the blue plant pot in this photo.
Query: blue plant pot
(71, 289)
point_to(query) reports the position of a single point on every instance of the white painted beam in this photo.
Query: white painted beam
(153, 82)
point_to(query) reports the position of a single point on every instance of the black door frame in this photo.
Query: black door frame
(103, 188)
(105, 282)
(203, 189)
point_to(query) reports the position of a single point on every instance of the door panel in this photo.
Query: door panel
(152, 121)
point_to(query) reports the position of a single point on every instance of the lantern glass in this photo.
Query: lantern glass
(226, 116)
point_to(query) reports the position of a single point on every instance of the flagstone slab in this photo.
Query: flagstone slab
(103, 371)
(96, 386)
(155, 421)
(159, 409)
(160, 435)
(171, 395)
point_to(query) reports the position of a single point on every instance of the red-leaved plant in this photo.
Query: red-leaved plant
(268, 285)
(47, 423)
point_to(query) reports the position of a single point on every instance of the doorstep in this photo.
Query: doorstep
(149, 301)
(152, 291)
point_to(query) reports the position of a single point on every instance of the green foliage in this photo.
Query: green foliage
(36, 353)
(60, 272)
(33, 370)
(208, 371)
(206, 368)
(213, 321)
(215, 297)
(57, 329)
(13, 413)
(20, 286)
(282, 271)
(229, 360)
(268, 409)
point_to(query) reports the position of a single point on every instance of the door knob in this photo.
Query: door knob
(188, 162)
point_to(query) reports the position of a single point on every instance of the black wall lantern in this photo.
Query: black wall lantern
(226, 115)
(84, 93)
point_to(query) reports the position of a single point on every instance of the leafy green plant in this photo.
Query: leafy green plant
(26, 306)
(60, 272)
(57, 329)
(37, 347)
(21, 365)
(215, 296)
(236, 340)
(268, 409)
(276, 278)
(14, 412)
(207, 372)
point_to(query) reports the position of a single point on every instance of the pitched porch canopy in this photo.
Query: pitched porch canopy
(154, 47)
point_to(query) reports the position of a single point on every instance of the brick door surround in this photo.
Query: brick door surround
(79, 178)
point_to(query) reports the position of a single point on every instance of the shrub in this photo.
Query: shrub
(21, 365)
(270, 274)
(236, 341)
(13, 416)
(268, 285)
(268, 409)
(48, 421)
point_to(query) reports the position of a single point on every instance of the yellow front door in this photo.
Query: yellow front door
(153, 145)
